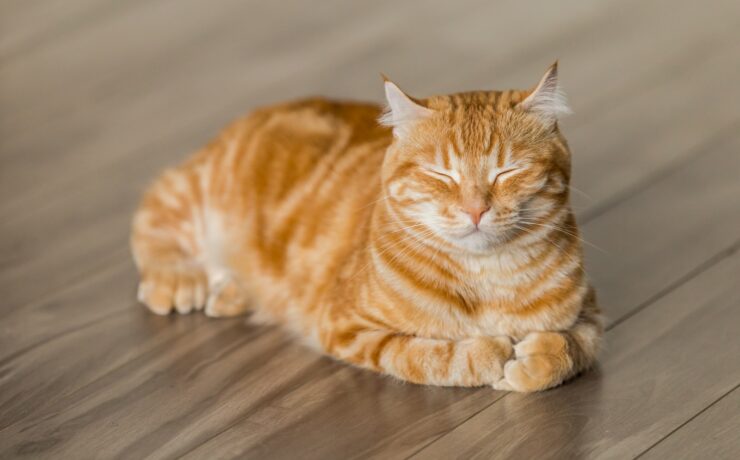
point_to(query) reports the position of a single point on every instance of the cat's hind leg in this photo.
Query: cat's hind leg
(173, 245)
(163, 288)
(165, 244)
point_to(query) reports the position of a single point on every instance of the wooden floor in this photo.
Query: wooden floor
(97, 96)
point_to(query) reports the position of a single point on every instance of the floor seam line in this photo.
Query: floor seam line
(668, 435)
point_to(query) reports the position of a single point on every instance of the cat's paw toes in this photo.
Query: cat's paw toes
(190, 293)
(541, 361)
(226, 298)
(504, 352)
(163, 290)
(484, 358)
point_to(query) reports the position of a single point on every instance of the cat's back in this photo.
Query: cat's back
(274, 150)
(319, 118)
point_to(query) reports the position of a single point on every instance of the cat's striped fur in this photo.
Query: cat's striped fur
(440, 249)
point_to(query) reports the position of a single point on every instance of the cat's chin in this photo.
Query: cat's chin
(479, 242)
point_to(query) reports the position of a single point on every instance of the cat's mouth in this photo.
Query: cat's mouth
(481, 237)
(472, 231)
(473, 234)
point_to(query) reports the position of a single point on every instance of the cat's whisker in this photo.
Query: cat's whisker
(402, 229)
(561, 250)
(562, 230)
(391, 246)
(411, 248)
(580, 192)
(372, 203)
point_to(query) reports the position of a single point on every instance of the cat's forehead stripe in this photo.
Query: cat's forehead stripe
(445, 154)
(494, 153)
(499, 157)
(454, 157)
(439, 159)
(505, 157)
(486, 137)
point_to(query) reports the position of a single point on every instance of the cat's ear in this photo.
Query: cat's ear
(547, 100)
(402, 110)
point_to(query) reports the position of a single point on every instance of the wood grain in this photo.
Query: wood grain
(26, 25)
(710, 434)
(96, 97)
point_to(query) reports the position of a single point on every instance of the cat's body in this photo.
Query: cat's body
(314, 216)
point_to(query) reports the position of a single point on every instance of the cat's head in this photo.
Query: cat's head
(477, 169)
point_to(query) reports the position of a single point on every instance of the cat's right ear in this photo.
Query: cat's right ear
(402, 110)
(547, 99)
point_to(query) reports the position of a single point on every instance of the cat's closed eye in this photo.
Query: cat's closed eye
(447, 176)
(496, 176)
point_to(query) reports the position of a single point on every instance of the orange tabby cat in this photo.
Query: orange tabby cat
(437, 246)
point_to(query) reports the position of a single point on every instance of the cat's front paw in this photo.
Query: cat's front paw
(165, 288)
(540, 361)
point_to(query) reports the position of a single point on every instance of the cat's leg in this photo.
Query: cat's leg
(546, 359)
(476, 361)
(170, 242)
(165, 245)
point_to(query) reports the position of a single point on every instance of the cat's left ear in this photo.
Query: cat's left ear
(547, 100)
(402, 110)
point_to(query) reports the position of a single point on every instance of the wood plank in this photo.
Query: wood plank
(658, 236)
(654, 376)
(29, 24)
(160, 65)
(713, 433)
(633, 136)
(87, 300)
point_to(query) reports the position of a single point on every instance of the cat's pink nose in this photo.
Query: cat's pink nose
(476, 213)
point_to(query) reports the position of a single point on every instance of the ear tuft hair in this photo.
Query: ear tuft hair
(401, 110)
(547, 99)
